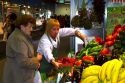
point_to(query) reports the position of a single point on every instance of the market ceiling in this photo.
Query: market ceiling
(34, 3)
(46, 1)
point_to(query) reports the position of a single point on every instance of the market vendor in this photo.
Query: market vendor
(48, 45)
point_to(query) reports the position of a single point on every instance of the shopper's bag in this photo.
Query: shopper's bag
(37, 78)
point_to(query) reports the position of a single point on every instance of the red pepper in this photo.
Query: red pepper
(88, 58)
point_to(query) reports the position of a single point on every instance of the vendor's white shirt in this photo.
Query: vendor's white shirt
(45, 47)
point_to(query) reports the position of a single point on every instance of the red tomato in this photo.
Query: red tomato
(78, 63)
(117, 27)
(109, 37)
(88, 58)
(72, 60)
(104, 51)
(123, 27)
(99, 40)
(109, 43)
(115, 35)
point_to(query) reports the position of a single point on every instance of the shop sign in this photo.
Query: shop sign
(115, 16)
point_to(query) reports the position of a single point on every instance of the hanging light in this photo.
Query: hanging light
(23, 12)
(28, 6)
(24, 6)
(6, 3)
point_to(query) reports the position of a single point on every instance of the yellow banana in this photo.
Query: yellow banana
(91, 70)
(102, 72)
(96, 81)
(89, 79)
(89, 73)
(81, 81)
(115, 72)
(106, 81)
(121, 75)
(122, 81)
(121, 70)
(110, 68)
(94, 67)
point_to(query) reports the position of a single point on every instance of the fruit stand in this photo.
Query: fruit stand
(100, 61)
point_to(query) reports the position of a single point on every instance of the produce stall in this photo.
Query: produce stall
(100, 61)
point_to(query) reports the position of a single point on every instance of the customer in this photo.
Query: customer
(9, 25)
(21, 64)
(48, 46)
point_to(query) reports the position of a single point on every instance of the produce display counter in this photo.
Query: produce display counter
(100, 61)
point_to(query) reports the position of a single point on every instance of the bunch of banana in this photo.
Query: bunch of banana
(121, 77)
(90, 79)
(90, 74)
(91, 71)
(109, 72)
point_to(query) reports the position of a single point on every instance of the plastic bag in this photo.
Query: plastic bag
(59, 77)
(37, 78)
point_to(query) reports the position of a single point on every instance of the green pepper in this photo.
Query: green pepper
(82, 52)
(94, 54)
(91, 44)
(96, 48)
